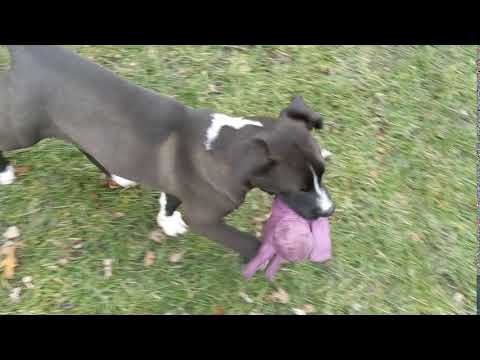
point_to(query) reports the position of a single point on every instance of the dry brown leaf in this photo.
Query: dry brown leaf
(107, 268)
(77, 244)
(282, 57)
(279, 296)
(109, 183)
(11, 233)
(374, 173)
(15, 294)
(255, 313)
(214, 89)
(218, 310)
(297, 311)
(176, 257)
(27, 281)
(245, 297)
(258, 220)
(308, 308)
(149, 258)
(415, 237)
(22, 170)
(63, 261)
(118, 215)
(357, 307)
(157, 236)
(458, 298)
(9, 261)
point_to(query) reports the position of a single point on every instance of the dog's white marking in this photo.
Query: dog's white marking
(7, 177)
(326, 154)
(125, 183)
(221, 120)
(323, 200)
(172, 225)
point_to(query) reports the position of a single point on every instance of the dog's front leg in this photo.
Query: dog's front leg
(243, 243)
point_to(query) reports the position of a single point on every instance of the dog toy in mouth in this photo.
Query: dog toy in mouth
(287, 237)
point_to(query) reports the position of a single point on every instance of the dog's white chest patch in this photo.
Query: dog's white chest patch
(221, 120)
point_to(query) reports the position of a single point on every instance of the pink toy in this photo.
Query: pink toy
(289, 237)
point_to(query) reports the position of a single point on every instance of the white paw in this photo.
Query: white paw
(326, 154)
(172, 225)
(7, 177)
(125, 183)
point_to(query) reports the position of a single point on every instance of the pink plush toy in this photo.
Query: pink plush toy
(289, 237)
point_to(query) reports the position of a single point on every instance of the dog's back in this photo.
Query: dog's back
(59, 94)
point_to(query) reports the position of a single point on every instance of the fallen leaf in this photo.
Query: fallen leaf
(118, 215)
(458, 298)
(214, 89)
(282, 57)
(109, 183)
(11, 233)
(149, 258)
(326, 71)
(63, 261)
(157, 236)
(308, 308)
(15, 294)
(415, 237)
(299, 311)
(27, 281)
(22, 170)
(77, 244)
(9, 261)
(176, 257)
(257, 219)
(279, 296)
(218, 310)
(255, 313)
(107, 268)
(65, 306)
(94, 196)
(357, 307)
(245, 297)
(373, 173)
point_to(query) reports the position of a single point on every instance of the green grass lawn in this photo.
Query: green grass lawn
(401, 124)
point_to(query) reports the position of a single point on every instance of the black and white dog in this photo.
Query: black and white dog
(200, 159)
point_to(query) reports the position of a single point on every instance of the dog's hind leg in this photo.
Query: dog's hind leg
(169, 219)
(7, 173)
(125, 183)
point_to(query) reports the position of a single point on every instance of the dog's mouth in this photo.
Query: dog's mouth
(308, 205)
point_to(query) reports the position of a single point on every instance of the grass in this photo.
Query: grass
(400, 121)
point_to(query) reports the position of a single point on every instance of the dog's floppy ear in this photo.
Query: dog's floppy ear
(299, 111)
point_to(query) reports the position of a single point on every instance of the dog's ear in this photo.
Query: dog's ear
(299, 111)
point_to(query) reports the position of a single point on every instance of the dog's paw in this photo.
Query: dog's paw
(7, 177)
(125, 183)
(172, 225)
(326, 154)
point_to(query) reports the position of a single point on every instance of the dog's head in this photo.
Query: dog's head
(286, 161)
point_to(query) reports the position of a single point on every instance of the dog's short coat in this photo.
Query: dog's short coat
(205, 161)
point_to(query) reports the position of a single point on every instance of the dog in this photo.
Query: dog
(200, 159)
